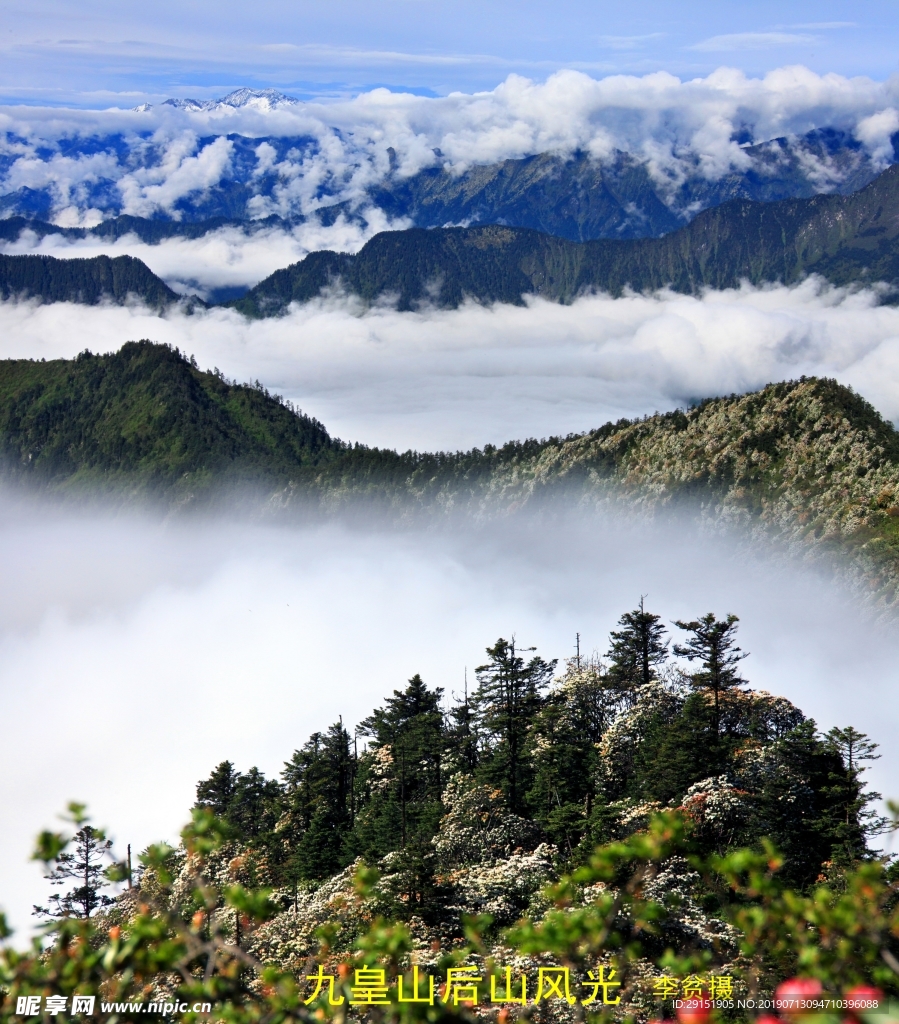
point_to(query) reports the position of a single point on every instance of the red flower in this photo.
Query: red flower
(860, 999)
(797, 995)
(694, 1011)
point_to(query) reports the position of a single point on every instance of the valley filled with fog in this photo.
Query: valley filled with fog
(454, 379)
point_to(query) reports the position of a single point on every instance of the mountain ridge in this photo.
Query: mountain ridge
(808, 463)
(573, 195)
(845, 239)
(86, 281)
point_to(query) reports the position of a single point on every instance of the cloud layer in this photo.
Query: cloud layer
(458, 378)
(223, 260)
(146, 162)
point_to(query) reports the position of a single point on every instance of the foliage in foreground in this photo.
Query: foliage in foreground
(612, 912)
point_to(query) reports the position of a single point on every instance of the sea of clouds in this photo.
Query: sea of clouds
(155, 157)
(135, 655)
(450, 379)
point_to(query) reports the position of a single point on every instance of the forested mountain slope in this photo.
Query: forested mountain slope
(581, 198)
(118, 279)
(146, 419)
(808, 461)
(846, 239)
(145, 228)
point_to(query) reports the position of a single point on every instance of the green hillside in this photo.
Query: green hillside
(85, 281)
(846, 239)
(807, 462)
(145, 419)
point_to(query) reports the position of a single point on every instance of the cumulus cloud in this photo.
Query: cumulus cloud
(135, 657)
(342, 147)
(184, 169)
(455, 378)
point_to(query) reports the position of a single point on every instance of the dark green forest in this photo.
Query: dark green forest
(572, 758)
(146, 419)
(86, 281)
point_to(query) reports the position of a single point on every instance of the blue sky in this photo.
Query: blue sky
(100, 52)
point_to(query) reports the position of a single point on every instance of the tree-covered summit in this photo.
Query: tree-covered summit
(656, 820)
(536, 759)
(146, 419)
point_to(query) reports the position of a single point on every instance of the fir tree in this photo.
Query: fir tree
(508, 698)
(462, 740)
(566, 733)
(318, 783)
(855, 821)
(217, 792)
(85, 865)
(253, 809)
(408, 741)
(713, 645)
(637, 648)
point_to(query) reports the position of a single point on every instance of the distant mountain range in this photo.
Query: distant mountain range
(808, 462)
(260, 99)
(846, 239)
(242, 178)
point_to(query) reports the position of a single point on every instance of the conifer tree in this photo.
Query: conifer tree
(84, 865)
(253, 809)
(462, 739)
(508, 697)
(318, 783)
(217, 792)
(855, 820)
(408, 740)
(637, 648)
(713, 644)
(567, 731)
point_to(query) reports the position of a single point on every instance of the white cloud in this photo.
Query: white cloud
(183, 170)
(223, 259)
(674, 124)
(876, 132)
(457, 378)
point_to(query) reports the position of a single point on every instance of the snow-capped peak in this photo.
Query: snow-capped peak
(258, 99)
(265, 99)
